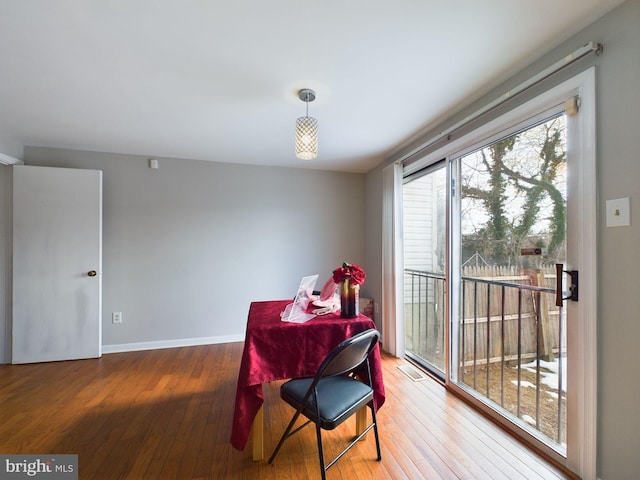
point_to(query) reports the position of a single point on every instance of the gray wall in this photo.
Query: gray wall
(187, 247)
(373, 248)
(11, 147)
(618, 92)
(618, 258)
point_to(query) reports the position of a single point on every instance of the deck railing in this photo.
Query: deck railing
(510, 340)
(424, 317)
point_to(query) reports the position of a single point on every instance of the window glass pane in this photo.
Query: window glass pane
(424, 203)
(512, 229)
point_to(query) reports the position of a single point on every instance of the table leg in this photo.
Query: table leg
(257, 433)
(361, 421)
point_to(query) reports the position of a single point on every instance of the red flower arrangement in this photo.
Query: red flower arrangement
(355, 272)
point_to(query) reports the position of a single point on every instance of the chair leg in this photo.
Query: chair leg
(284, 436)
(375, 429)
(323, 470)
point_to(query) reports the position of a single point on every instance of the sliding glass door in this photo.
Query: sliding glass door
(424, 206)
(510, 216)
(496, 238)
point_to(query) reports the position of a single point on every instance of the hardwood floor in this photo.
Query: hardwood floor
(166, 414)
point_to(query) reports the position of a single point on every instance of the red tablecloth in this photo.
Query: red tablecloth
(276, 350)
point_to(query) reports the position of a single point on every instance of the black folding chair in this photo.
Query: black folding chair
(334, 394)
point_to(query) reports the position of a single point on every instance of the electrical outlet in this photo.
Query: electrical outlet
(116, 317)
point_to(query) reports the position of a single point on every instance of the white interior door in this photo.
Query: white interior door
(57, 264)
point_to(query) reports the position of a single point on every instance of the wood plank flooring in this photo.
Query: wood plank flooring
(166, 414)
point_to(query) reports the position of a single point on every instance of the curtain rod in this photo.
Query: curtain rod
(547, 72)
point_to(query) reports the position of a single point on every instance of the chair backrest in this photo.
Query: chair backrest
(349, 355)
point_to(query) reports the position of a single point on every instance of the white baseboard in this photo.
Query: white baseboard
(183, 342)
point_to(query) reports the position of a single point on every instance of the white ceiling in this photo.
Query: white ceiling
(218, 80)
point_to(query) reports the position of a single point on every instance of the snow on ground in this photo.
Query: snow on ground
(549, 371)
(523, 384)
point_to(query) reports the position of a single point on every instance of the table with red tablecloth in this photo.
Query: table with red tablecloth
(277, 350)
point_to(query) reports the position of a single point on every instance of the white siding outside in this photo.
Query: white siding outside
(420, 227)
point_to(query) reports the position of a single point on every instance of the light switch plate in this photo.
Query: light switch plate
(619, 212)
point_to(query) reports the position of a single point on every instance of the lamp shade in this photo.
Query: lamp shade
(306, 138)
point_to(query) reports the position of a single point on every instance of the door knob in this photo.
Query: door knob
(92, 273)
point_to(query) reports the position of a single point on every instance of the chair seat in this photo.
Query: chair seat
(339, 397)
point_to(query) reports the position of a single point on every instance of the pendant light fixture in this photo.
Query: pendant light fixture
(306, 129)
